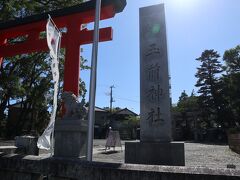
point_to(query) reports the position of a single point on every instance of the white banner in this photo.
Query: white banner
(53, 41)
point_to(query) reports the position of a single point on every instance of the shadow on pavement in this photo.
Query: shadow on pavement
(109, 152)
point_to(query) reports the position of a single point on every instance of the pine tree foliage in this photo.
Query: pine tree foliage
(232, 60)
(209, 84)
(232, 83)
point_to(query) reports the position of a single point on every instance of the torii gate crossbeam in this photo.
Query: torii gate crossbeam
(71, 18)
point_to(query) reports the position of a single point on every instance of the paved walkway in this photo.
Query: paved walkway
(196, 154)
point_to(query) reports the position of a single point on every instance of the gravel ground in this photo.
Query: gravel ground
(196, 154)
(215, 156)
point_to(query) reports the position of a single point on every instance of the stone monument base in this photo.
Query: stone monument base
(155, 153)
(27, 145)
(70, 138)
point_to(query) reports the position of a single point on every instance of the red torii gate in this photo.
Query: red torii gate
(72, 18)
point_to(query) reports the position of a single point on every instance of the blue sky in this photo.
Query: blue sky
(192, 27)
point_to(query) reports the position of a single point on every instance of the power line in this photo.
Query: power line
(102, 85)
(130, 100)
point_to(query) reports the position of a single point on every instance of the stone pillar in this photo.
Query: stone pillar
(70, 138)
(155, 146)
(71, 130)
(154, 76)
(26, 145)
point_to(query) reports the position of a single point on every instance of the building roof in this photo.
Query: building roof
(125, 111)
(98, 109)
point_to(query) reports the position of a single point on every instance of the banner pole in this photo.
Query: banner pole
(56, 86)
(46, 140)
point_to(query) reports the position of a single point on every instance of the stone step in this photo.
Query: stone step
(8, 149)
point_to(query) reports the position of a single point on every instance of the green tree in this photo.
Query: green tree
(186, 113)
(232, 60)
(210, 88)
(182, 102)
(13, 9)
(187, 103)
(10, 86)
(232, 84)
(131, 123)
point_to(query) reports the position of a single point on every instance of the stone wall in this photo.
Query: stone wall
(234, 142)
(16, 167)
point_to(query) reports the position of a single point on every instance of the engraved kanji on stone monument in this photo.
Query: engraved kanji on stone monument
(154, 78)
(154, 93)
(155, 117)
(153, 72)
(153, 49)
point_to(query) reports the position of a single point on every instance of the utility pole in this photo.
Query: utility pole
(111, 98)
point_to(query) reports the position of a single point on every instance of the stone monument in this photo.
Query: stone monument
(71, 130)
(155, 146)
